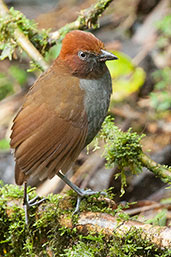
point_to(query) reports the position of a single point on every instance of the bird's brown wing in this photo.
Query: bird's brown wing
(51, 128)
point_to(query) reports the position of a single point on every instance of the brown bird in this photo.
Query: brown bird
(62, 112)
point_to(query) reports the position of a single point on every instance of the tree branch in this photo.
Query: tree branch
(87, 19)
(125, 150)
(52, 224)
(159, 170)
(110, 225)
(23, 41)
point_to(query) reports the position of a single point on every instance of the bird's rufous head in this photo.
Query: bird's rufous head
(84, 54)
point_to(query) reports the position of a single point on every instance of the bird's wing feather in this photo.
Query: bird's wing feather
(51, 128)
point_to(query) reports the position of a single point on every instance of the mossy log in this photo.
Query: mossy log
(99, 229)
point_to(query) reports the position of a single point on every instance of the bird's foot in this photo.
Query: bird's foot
(84, 193)
(29, 203)
(80, 192)
(34, 201)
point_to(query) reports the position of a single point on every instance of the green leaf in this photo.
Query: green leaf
(126, 78)
(7, 51)
(53, 52)
(4, 144)
(123, 66)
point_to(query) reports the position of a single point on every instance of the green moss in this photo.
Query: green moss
(133, 246)
(99, 246)
(8, 25)
(46, 237)
(122, 149)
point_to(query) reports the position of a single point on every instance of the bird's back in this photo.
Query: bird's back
(51, 128)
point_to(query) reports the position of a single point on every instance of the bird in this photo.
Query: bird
(62, 113)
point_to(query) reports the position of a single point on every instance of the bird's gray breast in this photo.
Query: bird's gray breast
(96, 102)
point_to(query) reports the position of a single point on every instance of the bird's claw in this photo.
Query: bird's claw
(34, 201)
(29, 203)
(84, 193)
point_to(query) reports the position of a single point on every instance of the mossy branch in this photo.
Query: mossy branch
(21, 40)
(161, 171)
(87, 19)
(53, 229)
(124, 149)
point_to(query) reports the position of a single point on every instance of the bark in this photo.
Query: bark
(160, 236)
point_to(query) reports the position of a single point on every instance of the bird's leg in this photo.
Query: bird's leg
(81, 192)
(25, 203)
(28, 203)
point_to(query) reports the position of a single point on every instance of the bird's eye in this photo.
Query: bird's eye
(82, 55)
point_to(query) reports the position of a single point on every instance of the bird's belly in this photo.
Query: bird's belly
(97, 98)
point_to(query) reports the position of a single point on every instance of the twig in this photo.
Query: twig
(23, 41)
(136, 211)
(88, 18)
(159, 170)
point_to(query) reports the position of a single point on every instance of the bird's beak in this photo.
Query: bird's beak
(106, 56)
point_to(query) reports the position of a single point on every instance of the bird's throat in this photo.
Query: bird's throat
(96, 102)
